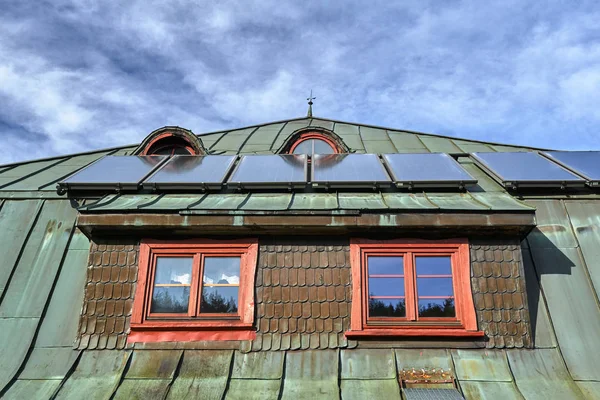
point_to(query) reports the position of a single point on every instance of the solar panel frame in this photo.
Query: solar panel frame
(70, 182)
(151, 183)
(266, 184)
(527, 183)
(346, 184)
(590, 181)
(428, 183)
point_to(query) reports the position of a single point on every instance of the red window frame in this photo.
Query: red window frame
(463, 324)
(314, 135)
(155, 327)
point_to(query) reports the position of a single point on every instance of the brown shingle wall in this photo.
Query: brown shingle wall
(112, 273)
(498, 284)
(303, 294)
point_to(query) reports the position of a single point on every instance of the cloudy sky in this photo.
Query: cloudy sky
(82, 75)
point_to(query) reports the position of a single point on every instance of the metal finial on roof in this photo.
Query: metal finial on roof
(310, 103)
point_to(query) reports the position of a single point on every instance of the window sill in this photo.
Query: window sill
(186, 331)
(412, 332)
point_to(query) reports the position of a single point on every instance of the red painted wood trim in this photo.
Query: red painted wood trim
(166, 135)
(401, 332)
(150, 336)
(314, 135)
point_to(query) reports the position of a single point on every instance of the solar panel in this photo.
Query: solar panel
(526, 170)
(348, 170)
(270, 171)
(427, 170)
(189, 172)
(585, 163)
(112, 172)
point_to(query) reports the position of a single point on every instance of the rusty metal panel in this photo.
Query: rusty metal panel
(314, 201)
(32, 281)
(590, 389)
(553, 226)
(142, 389)
(368, 364)
(455, 201)
(406, 201)
(481, 365)
(541, 328)
(361, 201)
(502, 201)
(406, 142)
(268, 365)
(96, 377)
(32, 389)
(267, 201)
(585, 219)
(203, 374)
(573, 308)
(253, 389)
(49, 363)
(541, 374)
(216, 201)
(16, 335)
(423, 358)
(439, 144)
(311, 374)
(288, 130)
(153, 364)
(370, 389)
(474, 390)
(16, 220)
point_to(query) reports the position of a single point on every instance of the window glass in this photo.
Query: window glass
(386, 286)
(172, 281)
(314, 146)
(434, 287)
(220, 287)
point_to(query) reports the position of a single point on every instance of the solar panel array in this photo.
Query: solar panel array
(199, 172)
(427, 170)
(348, 170)
(584, 163)
(270, 171)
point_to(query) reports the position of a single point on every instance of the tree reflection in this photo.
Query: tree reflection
(378, 308)
(215, 303)
(438, 310)
(164, 302)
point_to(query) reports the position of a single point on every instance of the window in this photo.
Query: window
(411, 288)
(195, 290)
(313, 143)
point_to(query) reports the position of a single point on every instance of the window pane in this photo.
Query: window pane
(219, 299)
(173, 270)
(386, 286)
(304, 147)
(434, 287)
(387, 308)
(169, 299)
(322, 147)
(436, 308)
(385, 265)
(222, 270)
(434, 266)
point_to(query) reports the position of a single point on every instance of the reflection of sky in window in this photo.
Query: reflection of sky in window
(433, 266)
(434, 287)
(386, 287)
(222, 270)
(173, 270)
(385, 265)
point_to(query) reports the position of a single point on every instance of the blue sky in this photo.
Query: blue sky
(82, 75)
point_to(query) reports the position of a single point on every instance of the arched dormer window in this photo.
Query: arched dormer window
(314, 142)
(171, 140)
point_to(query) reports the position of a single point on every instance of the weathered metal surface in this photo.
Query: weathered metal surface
(368, 364)
(203, 374)
(16, 335)
(585, 219)
(370, 389)
(43, 179)
(471, 147)
(311, 374)
(32, 389)
(484, 182)
(253, 389)
(96, 376)
(21, 172)
(153, 364)
(267, 201)
(541, 328)
(263, 138)
(455, 201)
(407, 359)
(268, 365)
(572, 305)
(142, 389)
(289, 128)
(379, 146)
(541, 374)
(215, 201)
(406, 142)
(16, 220)
(361, 201)
(172, 202)
(432, 394)
(439, 144)
(474, 390)
(49, 363)
(477, 365)
(553, 227)
(314, 201)
(501, 201)
(407, 201)
(30, 285)
(590, 389)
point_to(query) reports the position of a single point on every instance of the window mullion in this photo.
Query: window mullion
(196, 282)
(410, 287)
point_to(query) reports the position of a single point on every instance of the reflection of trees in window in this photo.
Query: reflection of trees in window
(164, 302)
(378, 308)
(215, 303)
(438, 310)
